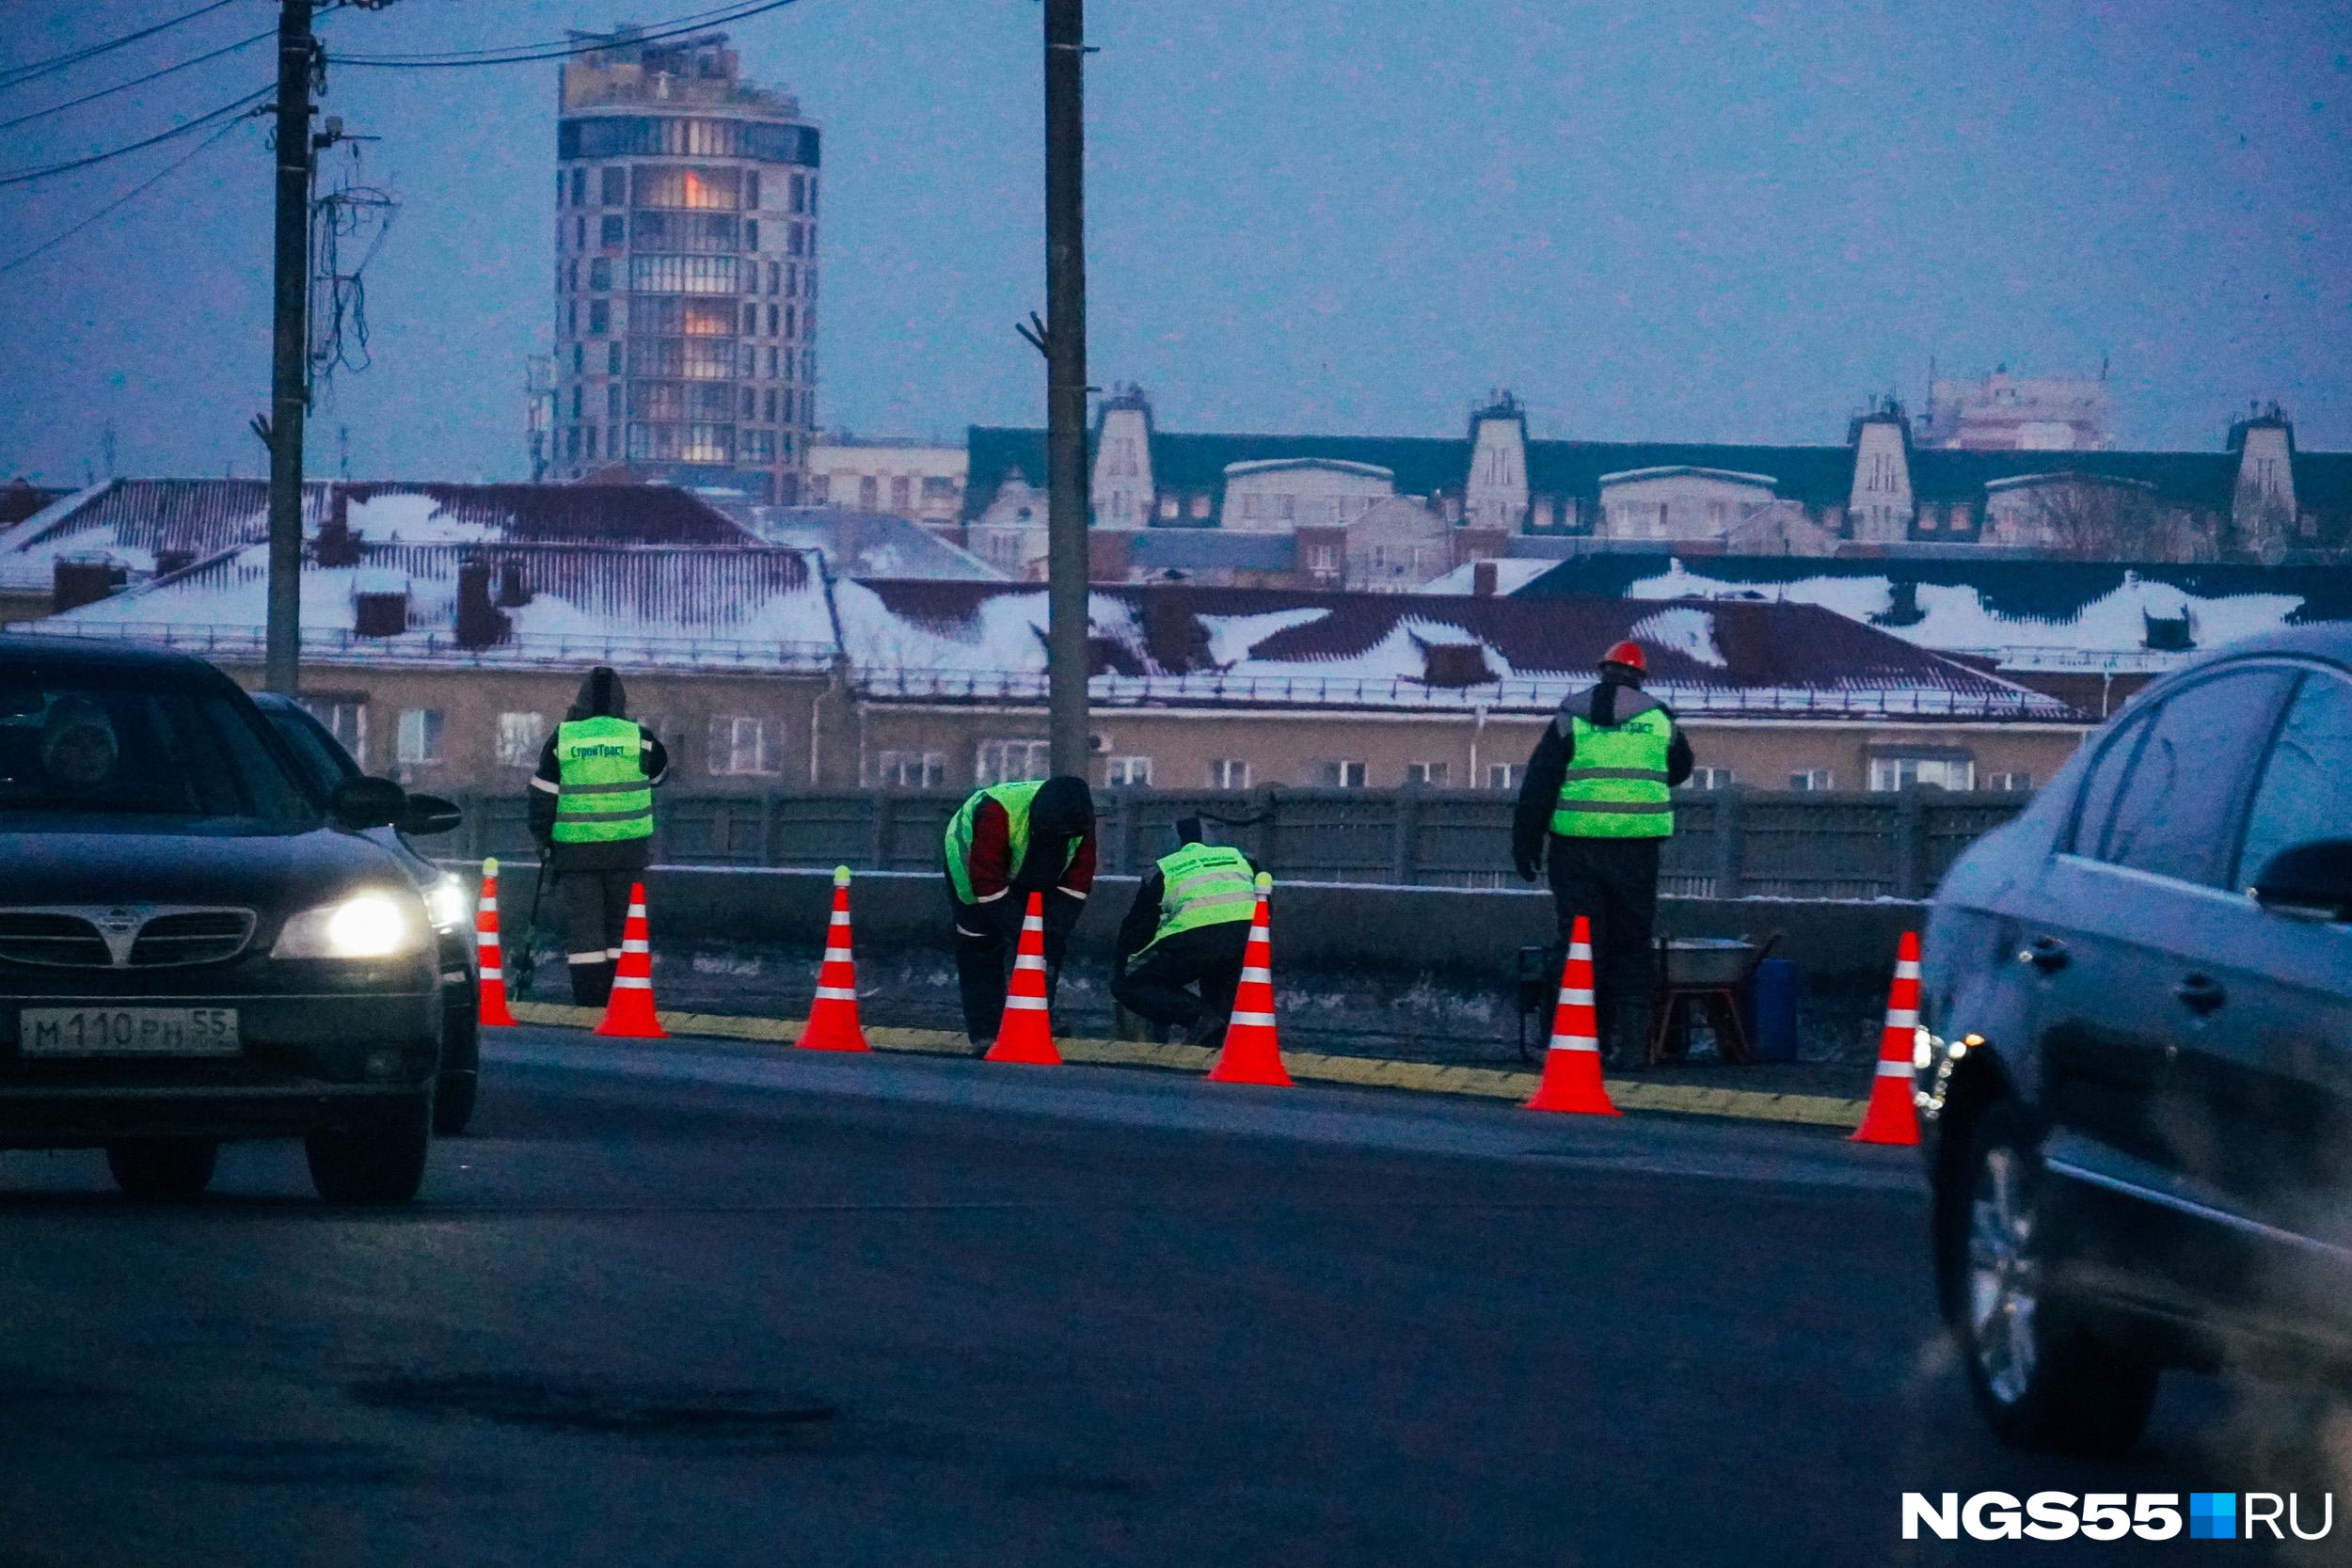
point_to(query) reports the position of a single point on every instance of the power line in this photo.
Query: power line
(524, 54)
(126, 197)
(15, 75)
(136, 81)
(25, 177)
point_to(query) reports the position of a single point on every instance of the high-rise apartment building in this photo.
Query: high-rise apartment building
(686, 269)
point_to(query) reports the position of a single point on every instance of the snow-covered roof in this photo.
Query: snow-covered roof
(864, 543)
(1184, 645)
(148, 524)
(743, 607)
(1511, 575)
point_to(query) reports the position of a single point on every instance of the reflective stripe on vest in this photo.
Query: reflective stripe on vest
(1205, 886)
(602, 794)
(1016, 799)
(1615, 786)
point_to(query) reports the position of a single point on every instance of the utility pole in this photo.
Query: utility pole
(1068, 660)
(289, 346)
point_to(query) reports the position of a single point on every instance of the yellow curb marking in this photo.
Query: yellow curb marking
(1809, 1110)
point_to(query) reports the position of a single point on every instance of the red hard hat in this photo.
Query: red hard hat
(1629, 655)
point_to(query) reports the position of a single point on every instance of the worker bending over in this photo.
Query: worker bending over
(1595, 792)
(1005, 842)
(1190, 926)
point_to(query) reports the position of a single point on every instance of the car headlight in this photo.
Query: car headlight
(447, 903)
(369, 924)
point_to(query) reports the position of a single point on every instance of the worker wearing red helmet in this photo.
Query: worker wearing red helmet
(1595, 793)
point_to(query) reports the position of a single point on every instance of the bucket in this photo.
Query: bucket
(1773, 1028)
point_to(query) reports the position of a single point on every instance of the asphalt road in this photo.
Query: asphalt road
(707, 1306)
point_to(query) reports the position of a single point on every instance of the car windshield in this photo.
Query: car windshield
(88, 753)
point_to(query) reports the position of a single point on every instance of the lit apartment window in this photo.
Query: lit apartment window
(1712, 778)
(1503, 775)
(1899, 772)
(1228, 773)
(742, 747)
(420, 734)
(1429, 775)
(1813, 778)
(1131, 772)
(1340, 775)
(1201, 504)
(910, 769)
(1168, 509)
(1010, 761)
(346, 720)
(2017, 783)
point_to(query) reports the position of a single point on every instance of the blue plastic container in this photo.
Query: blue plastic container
(1773, 1028)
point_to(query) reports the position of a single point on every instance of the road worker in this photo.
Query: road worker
(591, 815)
(1190, 926)
(1004, 843)
(1597, 792)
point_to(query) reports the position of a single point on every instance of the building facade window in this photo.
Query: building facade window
(599, 317)
(1923, 772)
(1338, 775)
(1010, 761)
(910, 770)
(611, 231)
(519, 735)
(1428, 775)
(346, 720)
(420, 734)
(1813, 779)
(579, 188)
(1127, 773)
(1228, 773)
(1712, 778)
(1503, 775)
(902, 492)
(742, 747)
(2014, 782)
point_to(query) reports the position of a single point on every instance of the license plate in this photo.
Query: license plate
(128, 1032)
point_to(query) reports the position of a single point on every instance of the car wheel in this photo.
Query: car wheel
(453, 1102)
(2044, 1373)
(162, 1169)
(377, 1162)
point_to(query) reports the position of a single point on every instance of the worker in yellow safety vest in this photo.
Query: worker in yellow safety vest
(1597, 796)
(1004, 843)
(592, 816)
(1188, 926)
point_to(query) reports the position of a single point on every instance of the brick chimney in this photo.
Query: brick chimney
(480, 623)
(337, 544)
(74, 584)
(1483, 580)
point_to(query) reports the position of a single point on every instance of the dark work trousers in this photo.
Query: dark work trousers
(987, 937)
(1613, 883)
(1155, 986)
(596, 908)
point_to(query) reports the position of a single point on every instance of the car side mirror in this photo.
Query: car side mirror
(2311, 881)
(359, 804)
(427, 815)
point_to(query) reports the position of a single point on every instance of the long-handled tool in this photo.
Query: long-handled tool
(523, 965)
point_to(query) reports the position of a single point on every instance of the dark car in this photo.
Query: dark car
(2135, 1055)
(195, 946)
(322, 763)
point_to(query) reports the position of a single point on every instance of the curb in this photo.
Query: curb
(1803, 1110)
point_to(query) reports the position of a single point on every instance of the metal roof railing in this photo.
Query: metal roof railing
(336, 643)
(1521, 694)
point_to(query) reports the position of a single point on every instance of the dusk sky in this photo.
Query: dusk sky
(1688, 221)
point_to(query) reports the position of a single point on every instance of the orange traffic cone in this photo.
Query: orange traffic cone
(492, 1010)
(1572, 1065)
(1025, 1033)
(833, 1016)
(1892, 1119)
(629, 1013)
(1253, 1052)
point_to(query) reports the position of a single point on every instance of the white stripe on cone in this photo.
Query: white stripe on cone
(1575, 1042)
(840, 917)
(1902, 1018)
(1025, 1004)
(1894, 1069)
(1906, 969)
(1257, 976)
(836, 993)
(490, 904)
(1262, 1020)
(1575, 998)
(494, 974)
(836, 954)
(631, 982)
